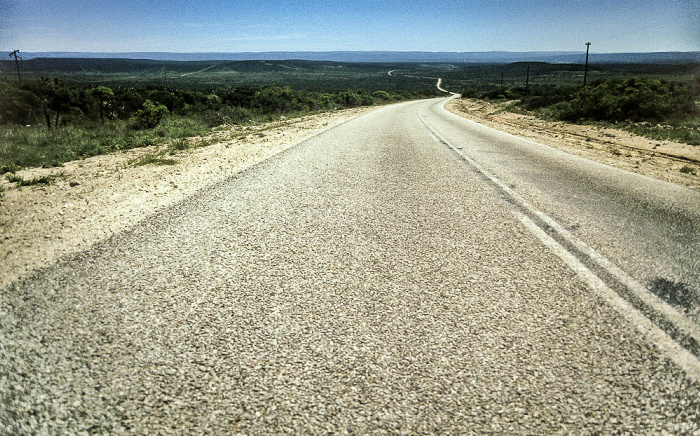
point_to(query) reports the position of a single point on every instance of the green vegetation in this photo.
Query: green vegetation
(482, 78)
(41, 180)
(660, 109)
(48, 122)
(152, 159)
(318, 76)
(37, 146)
(687, 169)
(149, 116)
(96, 106)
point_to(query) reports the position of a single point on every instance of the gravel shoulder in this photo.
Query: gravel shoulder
(662, 160)
(103, 195)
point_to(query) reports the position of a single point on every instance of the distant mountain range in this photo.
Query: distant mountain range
(396, 56)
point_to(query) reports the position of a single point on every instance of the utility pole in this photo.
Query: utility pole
(527, 81)
(14, 53)
(585, 71)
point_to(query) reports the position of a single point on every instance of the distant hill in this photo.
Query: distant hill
(395, 56)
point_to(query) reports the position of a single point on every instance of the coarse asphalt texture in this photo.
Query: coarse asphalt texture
(366, 281)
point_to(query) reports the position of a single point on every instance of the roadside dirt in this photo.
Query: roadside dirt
(665, 160)
(97, 197)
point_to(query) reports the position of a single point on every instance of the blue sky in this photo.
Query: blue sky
(306, 25)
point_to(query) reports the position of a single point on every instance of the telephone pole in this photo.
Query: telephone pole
(527, 81)
(14, 53)
(585, 71)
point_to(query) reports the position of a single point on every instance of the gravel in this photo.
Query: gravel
(366, 281)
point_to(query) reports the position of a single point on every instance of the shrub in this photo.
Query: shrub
(149, 116)
(687, 169)
(16, 105)
(381, 95)
(632, 100)
(470, 93)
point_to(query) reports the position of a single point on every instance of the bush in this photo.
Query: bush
(381, 95)
(470, 93)
(630, 100)
(47, 122)
(16, 105)
(150, 116)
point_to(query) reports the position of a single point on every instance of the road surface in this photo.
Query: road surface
(406, 272)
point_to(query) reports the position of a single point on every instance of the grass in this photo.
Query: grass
(687, 132)
(152, 159)
(179, 144)
(36, 146)
(41, 180)
(11, 168)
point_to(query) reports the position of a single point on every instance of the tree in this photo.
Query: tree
(16, 105)
(150, 116)
(105, 95)
(58, 97)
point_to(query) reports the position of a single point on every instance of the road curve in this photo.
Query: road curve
(371, 279)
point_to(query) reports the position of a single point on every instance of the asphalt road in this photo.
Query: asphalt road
(647, 228)
(406, 272)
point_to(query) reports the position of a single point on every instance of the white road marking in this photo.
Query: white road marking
(666, 345)
(679, 321)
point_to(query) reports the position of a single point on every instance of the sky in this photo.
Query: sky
(612, 26)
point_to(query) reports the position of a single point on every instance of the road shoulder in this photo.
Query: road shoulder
(664, 160)
(95, 198)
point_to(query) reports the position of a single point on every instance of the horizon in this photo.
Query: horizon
(359, 51)
(466, 26)
(493, 57)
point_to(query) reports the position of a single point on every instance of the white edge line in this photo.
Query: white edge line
(668, 311)
(679, 321)
(667, 346)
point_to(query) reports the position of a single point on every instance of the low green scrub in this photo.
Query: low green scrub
(49, 122)
(658, 109)
(37, 146)
(152, 159)
(687, 132)
(41, 180)
(687, 170)
(11, 168)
